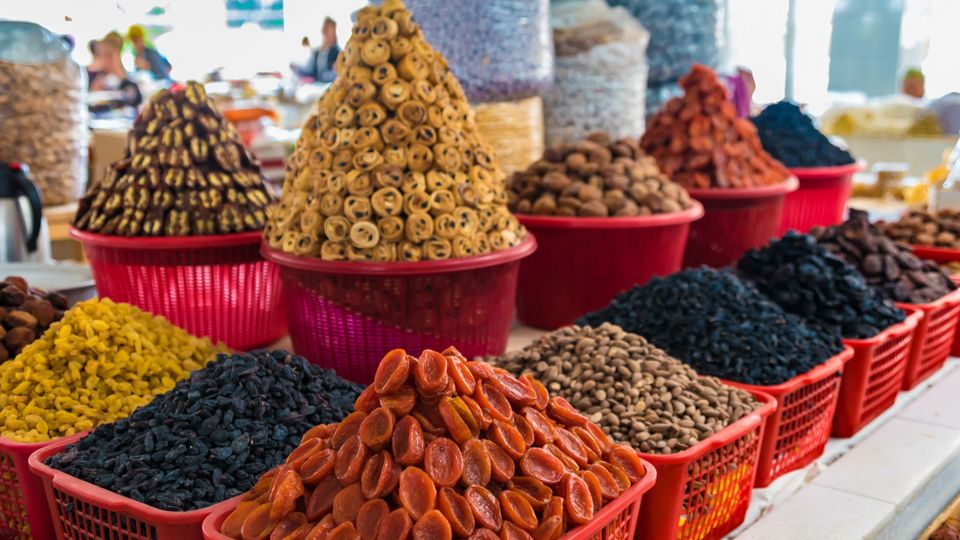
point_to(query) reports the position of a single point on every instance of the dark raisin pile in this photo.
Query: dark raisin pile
(214, 434)
(789, 135)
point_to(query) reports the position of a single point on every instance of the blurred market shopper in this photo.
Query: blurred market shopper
(106, 73)
(322, 59)
(147, 56)
(913, 83)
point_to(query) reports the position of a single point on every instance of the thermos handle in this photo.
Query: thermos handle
(33, 195)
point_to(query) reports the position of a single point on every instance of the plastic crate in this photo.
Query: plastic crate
(83, 511)
(24, 512)
(703, 492)
(615, 521)
(797, 431)
(821, 198)
(734, 221)
(343, 315)
(941, 255)
(581, 263)
(214, 286)
(872, 378)
(933, 338)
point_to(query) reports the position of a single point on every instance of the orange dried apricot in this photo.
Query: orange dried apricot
(300, 533)
(417, 492)
(509, 531)
(536, 492)
(539, 390)
(460, 374)
(258, 524)
(484, 534)
(367, 401)
(543, 427)
(408, 444)
(517, 392)
(369, 516)
(443, 461)
(454, 507)
(483, 418)
(485, 508)
(508, 438)
(344, 531)
(594, 451)
(578, 502)
(320, 501)
(460, 423)
(321, 529)
(567, 461)
(502, 466)
(347, 428)
(432, 526)
(493, 402)
(284, 499)
(476, 464)
(560, 410)
(481, 371)
(292, 522)
(550, 528)
(351, 457)
(555, 508)
(400, 402)
(320, 431)
(542, 465)
(608, 485)
(347, 503)
(377, 428)
(621, 478)
(596, 491)
(627, 459)
(380, 475)
(300, 454)
(526, 431)
(233, 522)
(602, 438)
(396, 526)
(392, 372)
(430, 372)
(572, 446)
(317, 466)
(517, 509)
(263, 487)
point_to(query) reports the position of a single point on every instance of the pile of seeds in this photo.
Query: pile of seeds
(721, 326)
(25, 314)
(636, 392)
(441, 447)
(700, 142)
(392, 166)
(921, 227)
(185, 174)
(790, 137)
(884, 263)
(596, 177)
(806, 279)
(214, 434)
(96, 365)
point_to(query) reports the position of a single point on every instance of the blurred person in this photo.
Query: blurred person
(320, 65)
(106, 72)
(913, 83)
(147, 56)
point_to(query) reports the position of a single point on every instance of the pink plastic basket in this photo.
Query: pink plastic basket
(344, 315)
(24, 512)
(933, 338)
(83, 511)
(214, 286)
(821, 198)
(581, 263)
(734, 221)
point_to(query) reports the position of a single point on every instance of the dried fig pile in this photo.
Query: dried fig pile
(25, 314)
(185, 173)
(392, 166)
(921, 227)
(596, 177)
(700, 142)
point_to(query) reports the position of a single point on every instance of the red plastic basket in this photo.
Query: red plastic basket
(83, 511)
(215, 286)
(734, 221)
(343, 315)
(933, 338)
(821, 198)
(798, 430)
(703, 492)
(942, 255)
(24, 513)
(873, 377)
(615, 521)
(581, 263)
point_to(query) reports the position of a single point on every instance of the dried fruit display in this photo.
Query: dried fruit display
(700, 143)
(185, 173)
(25, 314)
(790, 137)
(392, 166)
(596, 177)
(921, 227)
(440, 447)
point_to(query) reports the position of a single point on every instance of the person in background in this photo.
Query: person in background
(147, 56)
(320, 65)
(106, 71)
(913, 83)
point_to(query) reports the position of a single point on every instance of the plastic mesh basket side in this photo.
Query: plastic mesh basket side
(933, 338)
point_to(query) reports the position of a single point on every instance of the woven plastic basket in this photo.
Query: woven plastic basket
(933, 339)
(821, 198)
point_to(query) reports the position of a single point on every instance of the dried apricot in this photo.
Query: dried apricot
(351, 457)
(367, 401)
(519, 393)
(347, 503)
(460, 423)
(542, 465)
(300, 533)
(484, 534)
(460, 374)
(396, 526)
(524, 428)
(392, 372)
(493, 402)
(567, 461)
(481, 371)
(539, 390)
(508, 437)
(550, 529)
(476, 464)
(509, 531)
(320, 501)
(578, 502)
(608, 485)
(408, 444)
(300, 454)
(502, 466)
(555, 508)
(572, 446)
(321, 529)
(347, 428)
(483, 418)
(432, 526)
(282, 472)
(543, 427)
(287, 525)
(380, 475)
(560, 410)
(377, 428)
(594, 451)
(417, 492)
(517, 509)
(443, 461)
(485, 508)
(605, 443)
(427, 413)
(455, 508)
(400, 402)
(258, 524)
(233, 522)
(318, 466)
(288, 492)
(321, 431)
(344, 531)
(430, 372)
(536, 492)
(596, 491)
(621, 478)
(369, 517)
(627, 459)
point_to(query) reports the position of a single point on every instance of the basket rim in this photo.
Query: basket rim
(734, 431)
(109, 500)
(822, 173)
(895, 330)
(286, 260)
(687, 215)
(144, 243)
(789, 185)
(823, 370)
(936, 253)
(950, 299)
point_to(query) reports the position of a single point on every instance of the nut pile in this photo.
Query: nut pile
(920, 227)
(790, 137)
(441, 447)
(214, 434)
(700, 143)
(596, 177)
(185, 174)
(392, 167)
(636, 392)
(721, 326)
(806, 279)
(25, 314)
(884, 263)
(96, 365)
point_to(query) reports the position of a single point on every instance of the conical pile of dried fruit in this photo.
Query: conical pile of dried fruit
(700, 142)
(185, 173)
(392, 167)
(441, 447)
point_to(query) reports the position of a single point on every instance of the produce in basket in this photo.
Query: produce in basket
(185, 173)
(25, 313)
(392, 167)
(439, 446)
(700, 143)
(925, 228)
(636, 392)
(214, 434)
(596, 177)
(791, 138)
(96, 365)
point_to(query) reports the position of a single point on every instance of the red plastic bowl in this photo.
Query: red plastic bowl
(581, 263)
(347, 315)
(821, 198)
(214, 286)
(734, 221)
